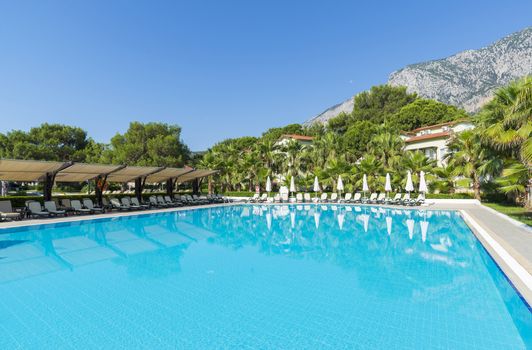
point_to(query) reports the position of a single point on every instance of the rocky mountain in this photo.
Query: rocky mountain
(323, 117)
(467, 79)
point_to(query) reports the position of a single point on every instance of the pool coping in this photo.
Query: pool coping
(513, 270)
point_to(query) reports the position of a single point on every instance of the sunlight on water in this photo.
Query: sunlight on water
(284, 276)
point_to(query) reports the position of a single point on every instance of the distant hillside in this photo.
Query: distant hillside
(346, 107)
(465, 80)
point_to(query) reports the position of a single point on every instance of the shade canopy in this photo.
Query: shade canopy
(409, 185)
(131, 173)
(340, 184)
(388, 184)
(316, 184)
(422, 183)
(28, 170)
(268, 185)
(79, 172)
(365, 186)
(196, 174)
(292, 184)
(167, 174)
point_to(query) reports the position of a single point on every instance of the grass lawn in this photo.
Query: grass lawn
(518, 213)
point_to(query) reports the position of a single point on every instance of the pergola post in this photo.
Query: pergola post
(48, 185)
(98, 189)
(170, 188)
(138, 188)
(195, 186)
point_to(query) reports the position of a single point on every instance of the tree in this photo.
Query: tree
(358, 136)
(387, 147)
(52, 142)
(381, 102)
(470, 159)
(151, 144)
(415, 162)
(424, 112)
(507, 127)
(273, 134)
(445, 179)
(373, 169)
(340, 123)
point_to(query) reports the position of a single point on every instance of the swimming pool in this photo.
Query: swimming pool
(257, 277)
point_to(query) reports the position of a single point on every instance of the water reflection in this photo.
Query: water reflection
(352, 237)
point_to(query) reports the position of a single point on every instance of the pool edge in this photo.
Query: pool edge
(516, 274)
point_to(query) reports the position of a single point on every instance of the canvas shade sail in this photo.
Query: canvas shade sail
(131, 173)
(28, 170)
(167, 174)
(196, 174)
(80, 172)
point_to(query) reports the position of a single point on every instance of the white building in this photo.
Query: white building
(432, 140)
(302, 139)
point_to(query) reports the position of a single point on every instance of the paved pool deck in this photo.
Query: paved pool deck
(508, 241)
(512, 236)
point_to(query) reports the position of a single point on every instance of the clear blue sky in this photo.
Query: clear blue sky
(220, 69)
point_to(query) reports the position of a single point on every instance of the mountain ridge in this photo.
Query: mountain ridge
(466, 79)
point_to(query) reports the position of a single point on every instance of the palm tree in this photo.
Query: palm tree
(510, 114)
(293, 151)
(387, 147)
(374, 170)
(445, 178)
(507, 122)
(415, 162)
(470, 159)
(514, 179)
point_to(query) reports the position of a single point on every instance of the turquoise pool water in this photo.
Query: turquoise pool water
(257, 277)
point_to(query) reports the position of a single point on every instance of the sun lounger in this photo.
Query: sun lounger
(299, 198)
(105, 203)
(357, 198)
(307, 198)
(277, 198)
(334, 197)
(161, 202)
(405, 200)
(254, 199)
(7, 212)
(371, 198)
(323, 198)
(380, 199)
(155, 203)
(418, 201)
(35, 210)
(50, 207)
(87, 203)
(127, 203)
(115, 204)
(284, 198)
(65, 205)
(395, 200)
(78, 208)
(346, 199)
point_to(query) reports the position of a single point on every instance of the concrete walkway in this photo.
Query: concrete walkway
(515, 238)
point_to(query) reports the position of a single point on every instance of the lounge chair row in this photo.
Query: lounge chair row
(34, 209)
(375, 198)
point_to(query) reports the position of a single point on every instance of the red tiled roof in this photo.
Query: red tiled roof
(437, 135)
(298, 137)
